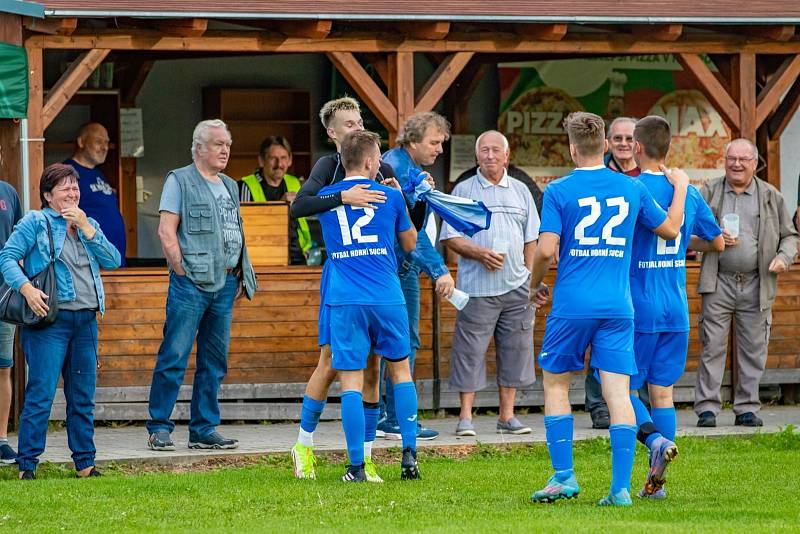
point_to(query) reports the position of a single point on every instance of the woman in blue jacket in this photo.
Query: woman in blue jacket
(68, 347)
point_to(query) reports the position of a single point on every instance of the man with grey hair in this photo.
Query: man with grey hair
(202, 238)
(494, 268)
(620, 147)
(739, 283)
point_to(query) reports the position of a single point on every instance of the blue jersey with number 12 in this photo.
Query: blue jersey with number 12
(658, 269)
(594, 211)
(360, 243)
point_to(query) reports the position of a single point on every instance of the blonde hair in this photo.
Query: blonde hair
(328, 111)
(586, 131)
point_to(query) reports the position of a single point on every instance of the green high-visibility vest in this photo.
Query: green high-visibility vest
(293, 186)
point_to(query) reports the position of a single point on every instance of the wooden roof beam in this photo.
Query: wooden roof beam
(183, 27)
(785, 112)
(441, 80)
(659, 32)
(771, 33)
(51, 26)
(70, 82)
(349, 67)
(719, 97)
(491, 43)
(380, 63)
(770, 97)
(310, 29)
(138, 82)
(542, 32)
(426, 31)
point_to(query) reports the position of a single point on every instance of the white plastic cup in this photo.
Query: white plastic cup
(458, 299)
(730, 222)
(501, 246)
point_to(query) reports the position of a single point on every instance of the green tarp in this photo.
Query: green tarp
(13, 82)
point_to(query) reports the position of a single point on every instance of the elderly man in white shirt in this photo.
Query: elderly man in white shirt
(494, 268)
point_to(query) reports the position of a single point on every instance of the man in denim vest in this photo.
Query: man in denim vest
(202, 238)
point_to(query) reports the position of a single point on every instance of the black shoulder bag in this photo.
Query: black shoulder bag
(14, 307)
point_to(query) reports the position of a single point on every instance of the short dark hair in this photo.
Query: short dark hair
(274, 140)
(654, 134)
(356, 146)
(586, 131)
(54, 175)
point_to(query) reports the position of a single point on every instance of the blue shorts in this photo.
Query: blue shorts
(324, 318)
(566, 340)
(660, 358)
(357, 328)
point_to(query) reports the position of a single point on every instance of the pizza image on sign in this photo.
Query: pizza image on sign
(533, 126)
(699, 134)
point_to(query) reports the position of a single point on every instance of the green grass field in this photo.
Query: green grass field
(748, 484)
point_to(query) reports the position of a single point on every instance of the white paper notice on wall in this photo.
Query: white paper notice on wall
(462, 154)
(130, 132)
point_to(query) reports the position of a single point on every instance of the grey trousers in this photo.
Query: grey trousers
(736, 298)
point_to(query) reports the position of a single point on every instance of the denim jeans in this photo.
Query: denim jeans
(66, 348)
(409, 282)
(207, 316)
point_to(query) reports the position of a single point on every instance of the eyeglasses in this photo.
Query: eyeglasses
(621, 138)
(733, 161)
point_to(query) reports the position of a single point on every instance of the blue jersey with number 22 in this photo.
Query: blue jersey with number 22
(658, 269)
(360, 245)
(594, 211)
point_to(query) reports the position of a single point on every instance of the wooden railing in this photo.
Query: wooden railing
(274, 349)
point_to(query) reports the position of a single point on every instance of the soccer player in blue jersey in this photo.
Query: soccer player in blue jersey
(658, 290)
(589, 215)
(366, 304)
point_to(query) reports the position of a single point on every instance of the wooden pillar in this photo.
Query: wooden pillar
(743, 87)
(35, 138)
(401, 88)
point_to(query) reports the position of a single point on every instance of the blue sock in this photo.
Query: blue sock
(370, 420)
(666, 421)
(405, 405)
(644, 422)
(623, 448)
(558, 429)
(353, 425)
(310, 413)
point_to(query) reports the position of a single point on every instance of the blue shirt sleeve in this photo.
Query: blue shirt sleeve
(551, 212)
(650, 213)
(170, 196)
(705, 225)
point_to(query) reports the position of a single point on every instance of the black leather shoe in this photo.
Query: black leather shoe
(28, 475)
(748, 419)
(600, 419)
(707, 419)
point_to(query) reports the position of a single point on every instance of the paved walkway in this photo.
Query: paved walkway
(129, 444)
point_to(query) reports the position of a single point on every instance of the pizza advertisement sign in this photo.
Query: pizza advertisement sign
(536, 96)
